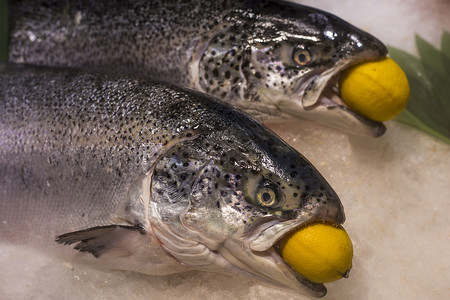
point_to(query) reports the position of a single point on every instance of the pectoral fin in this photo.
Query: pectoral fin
(113, 239)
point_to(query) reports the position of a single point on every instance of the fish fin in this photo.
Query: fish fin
(100, 240)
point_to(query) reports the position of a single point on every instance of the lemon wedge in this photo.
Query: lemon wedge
(320, 252)
(378, 90)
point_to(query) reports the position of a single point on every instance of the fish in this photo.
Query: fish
(275, 60)
(149, 177)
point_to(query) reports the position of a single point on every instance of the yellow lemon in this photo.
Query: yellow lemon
(320, 252)
(378, 90)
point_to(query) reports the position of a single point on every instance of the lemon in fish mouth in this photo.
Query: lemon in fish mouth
(320, 252)
(378, 90)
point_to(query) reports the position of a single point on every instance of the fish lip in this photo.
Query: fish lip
(315, 289)
(328, 101)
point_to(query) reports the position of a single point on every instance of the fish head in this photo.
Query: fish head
(223, 200)
(283, 60)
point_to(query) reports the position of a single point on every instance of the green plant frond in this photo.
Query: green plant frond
(430, 56)
(445, 50)
(408, 118)
(429, 79)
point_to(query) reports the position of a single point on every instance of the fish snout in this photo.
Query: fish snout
(379, 46)
(332, 211)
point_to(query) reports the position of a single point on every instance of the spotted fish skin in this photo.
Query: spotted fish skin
(150, 177)
(274, 59)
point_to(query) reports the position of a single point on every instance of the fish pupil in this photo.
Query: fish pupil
(266, 197)
(302, 57)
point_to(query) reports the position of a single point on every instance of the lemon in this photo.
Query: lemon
(378, 90)
(320, 252)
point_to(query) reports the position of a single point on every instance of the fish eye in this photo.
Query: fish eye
(301, 57)
(266, 197)
(267, 194)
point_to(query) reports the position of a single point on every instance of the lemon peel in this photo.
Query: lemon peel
(378, 90)
(319, 252)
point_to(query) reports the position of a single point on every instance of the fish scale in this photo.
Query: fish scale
(149, 177)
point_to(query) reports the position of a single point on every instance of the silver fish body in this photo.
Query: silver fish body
(150, 177)
(274, 59)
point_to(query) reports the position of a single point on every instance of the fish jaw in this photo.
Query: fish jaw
(316, 95)
(317, 98)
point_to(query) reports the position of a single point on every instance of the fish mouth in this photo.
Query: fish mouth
(263, 250)
(319, 97)
(293, 280)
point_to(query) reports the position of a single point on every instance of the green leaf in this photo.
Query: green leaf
(429, 79)
(445, 44)
(430, 56)
(408, 118)
(445, 49)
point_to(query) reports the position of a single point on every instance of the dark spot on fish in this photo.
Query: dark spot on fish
(258, 75)
(327, 49)
(218, 204)
(293, 174)
(227, 75)
(215, 73)
(183, 176)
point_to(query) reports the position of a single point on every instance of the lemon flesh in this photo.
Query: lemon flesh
(378, 90)
(319, 252)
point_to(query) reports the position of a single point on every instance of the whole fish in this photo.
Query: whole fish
(274, 59)
(150, 177)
